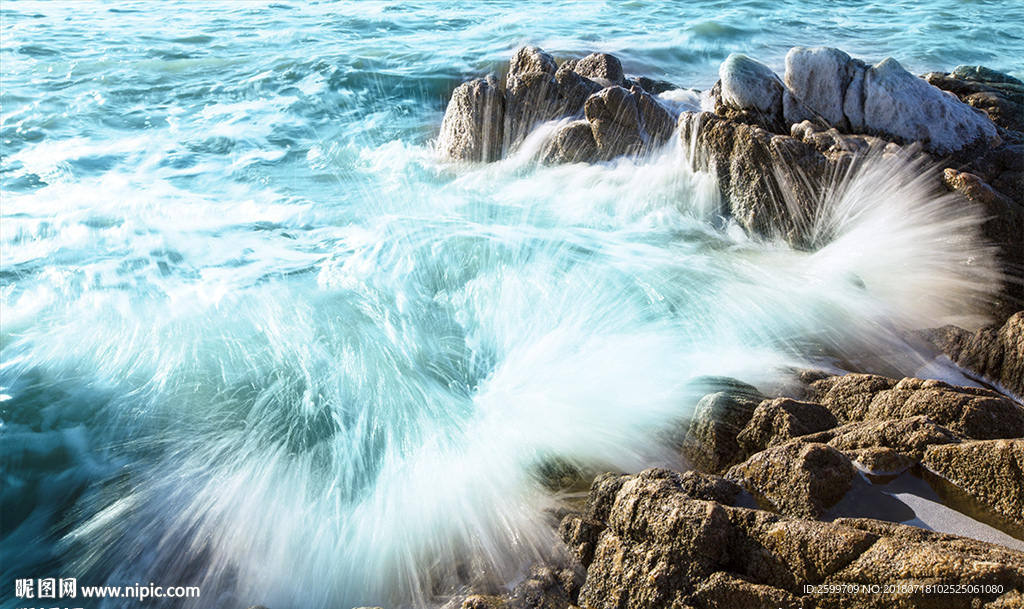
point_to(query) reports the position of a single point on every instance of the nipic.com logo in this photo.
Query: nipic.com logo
(68, 588)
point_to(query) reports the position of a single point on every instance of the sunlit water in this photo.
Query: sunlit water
(257, 338)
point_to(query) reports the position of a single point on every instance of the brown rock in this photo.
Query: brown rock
(474, 121)
(911, 436)
(727, 591)
(967, 411)
(991, 471)
(996, 353)
(709, 487)
(658, 123)
(777, 421)
(770, 181)
(573, 143)
(881, 460)
(599, 66)
(799, 479)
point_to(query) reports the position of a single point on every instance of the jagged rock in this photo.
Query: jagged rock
(770, 182)
(580, 532)
(531, 94)
(660, 549)
(999, 95)
(658, 123)
(573, 91)
(911, 436)
(777, 421)
(799, 479)
(615, 121)
(709, 487)
(710, 443)
(883, 99)
(990, 471)
(727, 591)
(997, 353)
(542, 589)
(881, 460)
(601, 67)
(969, 412)
(474, 121)
(654, 87)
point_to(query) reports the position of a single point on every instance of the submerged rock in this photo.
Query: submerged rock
(991, 471)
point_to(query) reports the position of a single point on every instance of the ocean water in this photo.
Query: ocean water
(258, 338)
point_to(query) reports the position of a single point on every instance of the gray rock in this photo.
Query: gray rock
(883, 99)
(615, 122)
(473, 122)
(747, 84)
(778, 421)
(531, 95)
(798, 479)
(658, 123)
(710, 443)
(573, 143)
(990, 471)
(601, 67)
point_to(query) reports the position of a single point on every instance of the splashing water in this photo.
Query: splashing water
(246, 350)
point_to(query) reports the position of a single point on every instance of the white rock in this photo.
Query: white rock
(818, 78)
(900, 104)
(748, 84)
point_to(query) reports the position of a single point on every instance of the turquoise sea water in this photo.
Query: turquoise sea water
(256, 337)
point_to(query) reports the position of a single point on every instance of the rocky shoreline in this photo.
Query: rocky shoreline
(758, 521)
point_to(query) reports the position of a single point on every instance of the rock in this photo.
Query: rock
(911, 436)
(770, 182)
(479, 601)
(996, 353)
(710, 443)
(573, 143)
(474, 121)
(880, 460)
(727, 591)
(750, 86)
(531, 95)
(615, 121)
(999, 95)
(573, 91)
(709, 487)
(658, 546)
(654, 87)
(601, 67)
(777, 421)
(658, 123)
(969, 412)
(542, 589)
(798, 479)
(990, 471)
(884, 99)
(661, 548)
(580, 532)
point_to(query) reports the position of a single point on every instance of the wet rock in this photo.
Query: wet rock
(531, 95)
(911, 436)
(542, 589)
(580, 532)
(880, 460)
(710, 443)
(478, 601)
(573, 143)
(654, 87)
(474, 121)
(658, 123)
(777, 421)
(727, 591)
(573, 91)
(798, 479)
(968, 412)
(747, 86)
(615, 122)
(601, 67)
(709, 487)
(770, 182)
(996, 353)
(883, 99)
(1001, 96)
(991, 471)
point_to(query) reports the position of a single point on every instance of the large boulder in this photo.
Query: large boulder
(991, 471)
(770, 182)
(1001, 96)
(798, 479)
(615, 121)
(531, 94)
(473, 125)
(883, 99)
(749, 92)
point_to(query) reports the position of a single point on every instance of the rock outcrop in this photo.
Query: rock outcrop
(996, 353)
(992, 472)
